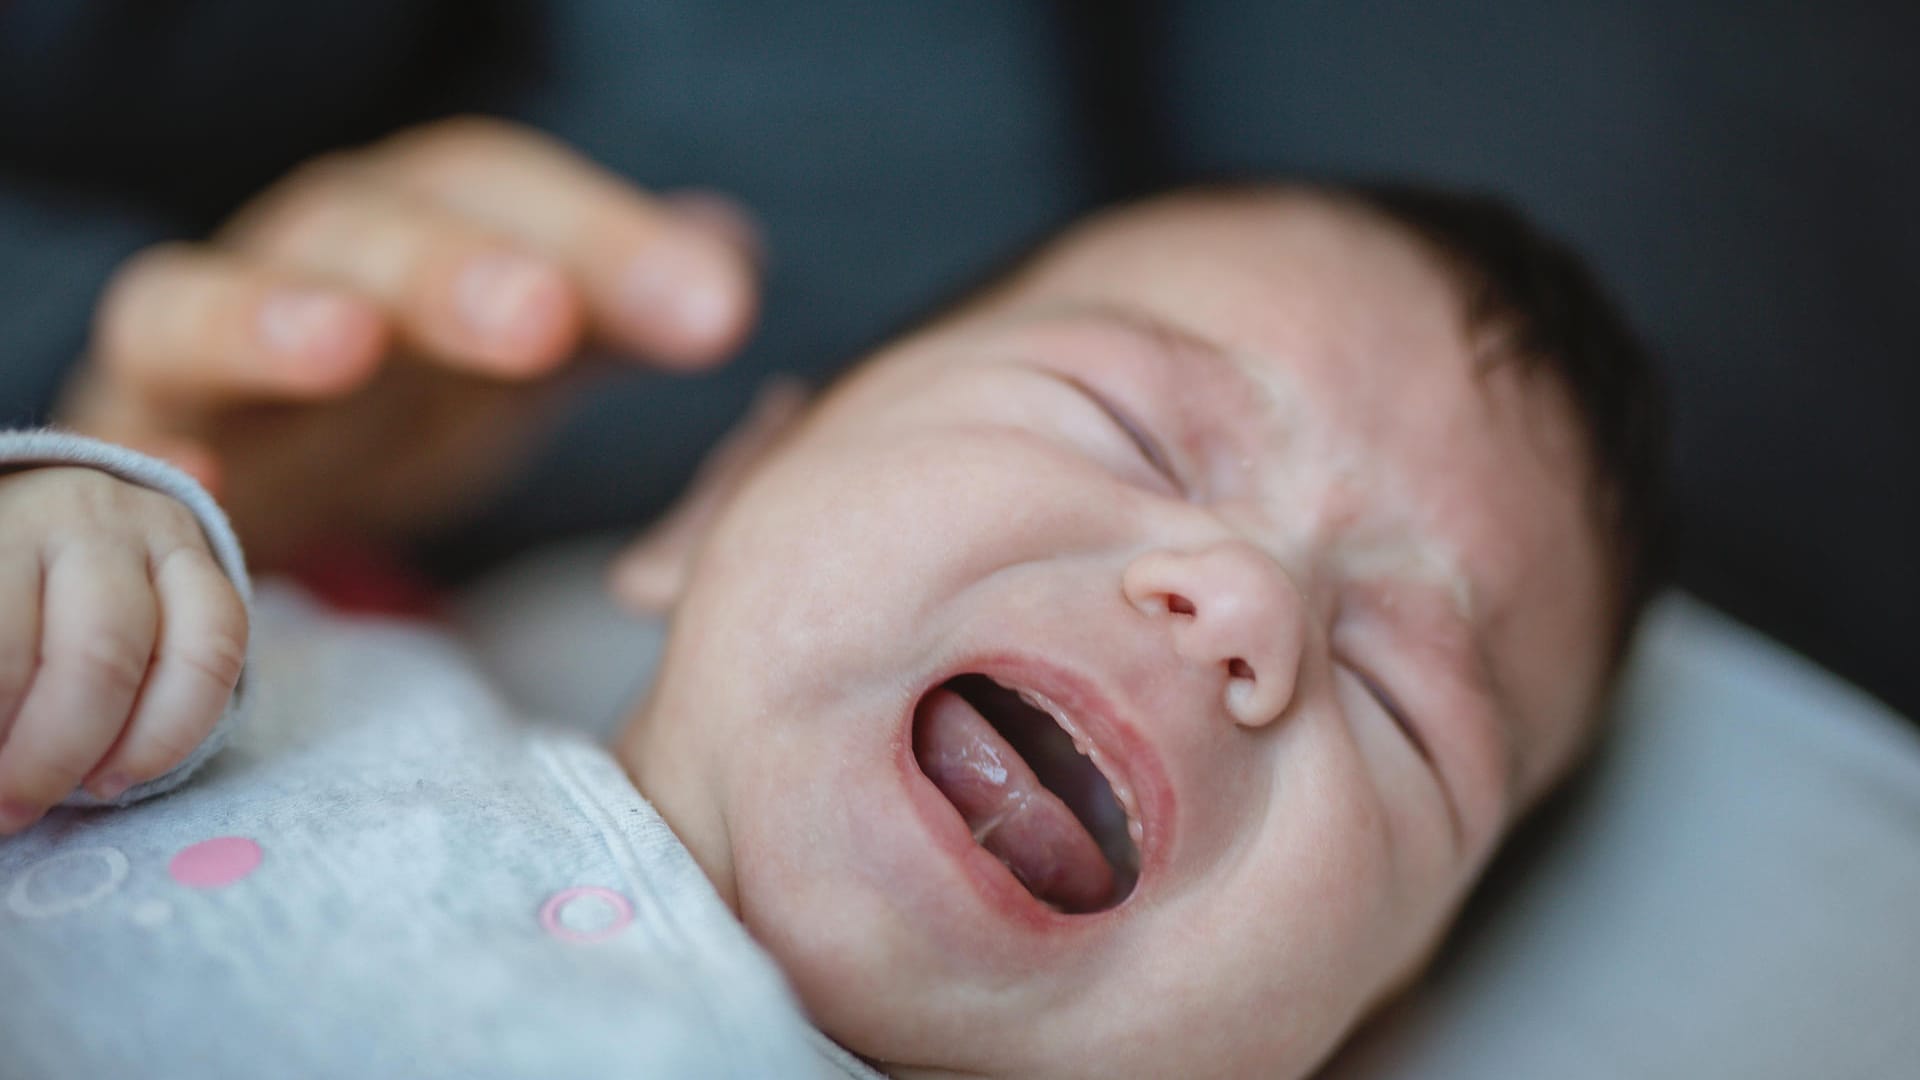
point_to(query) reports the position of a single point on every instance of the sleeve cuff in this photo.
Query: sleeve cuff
(28, 449)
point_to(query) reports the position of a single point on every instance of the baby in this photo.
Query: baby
(1129, 673)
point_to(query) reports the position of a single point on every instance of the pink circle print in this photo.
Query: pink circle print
(215, 863)
(613, 915)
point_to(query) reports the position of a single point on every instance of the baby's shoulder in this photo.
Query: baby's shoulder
(387, 838)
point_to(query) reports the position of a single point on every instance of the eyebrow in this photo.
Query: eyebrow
(1173, 338)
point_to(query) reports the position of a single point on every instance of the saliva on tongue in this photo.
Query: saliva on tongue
(1027, 827)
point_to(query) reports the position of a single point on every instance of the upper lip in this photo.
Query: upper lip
(1111, 738)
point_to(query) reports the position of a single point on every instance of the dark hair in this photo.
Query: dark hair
(1557, 317)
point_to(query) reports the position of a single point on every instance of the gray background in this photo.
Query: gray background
(1742, 171)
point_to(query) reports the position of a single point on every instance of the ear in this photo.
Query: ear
(649, 574)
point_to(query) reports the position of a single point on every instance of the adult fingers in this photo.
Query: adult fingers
(458, 291)
(674, 290)
(181, 323)
(201, 647)
(98, 624)
(722, 215)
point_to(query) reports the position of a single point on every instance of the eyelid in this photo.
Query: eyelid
(1142, 440)
(1386, 700)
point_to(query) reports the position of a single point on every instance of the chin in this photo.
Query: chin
(901, 889)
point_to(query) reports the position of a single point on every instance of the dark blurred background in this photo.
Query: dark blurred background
(1744, 173)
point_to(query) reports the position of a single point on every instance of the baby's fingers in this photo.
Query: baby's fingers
(97, 632)
(19, 630)
(196, 663)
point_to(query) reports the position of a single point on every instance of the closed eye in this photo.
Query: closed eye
(1393, 710)
(1149, 447)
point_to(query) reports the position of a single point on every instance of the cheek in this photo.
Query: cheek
(1342, 885)
(890, 527)
(1413, 806)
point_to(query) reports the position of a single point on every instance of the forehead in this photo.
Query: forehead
(1341, 345)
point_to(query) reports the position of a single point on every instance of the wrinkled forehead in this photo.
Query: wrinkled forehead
(1317, 295)
(1339, 323)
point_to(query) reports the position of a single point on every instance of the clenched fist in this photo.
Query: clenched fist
(121, 639)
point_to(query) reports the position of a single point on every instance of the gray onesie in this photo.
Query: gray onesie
(385, 872)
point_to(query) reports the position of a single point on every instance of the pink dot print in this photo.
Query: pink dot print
(215, 863)
(585, 913)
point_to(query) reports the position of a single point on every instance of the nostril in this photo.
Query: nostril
(1179, 605)
(1251, 701)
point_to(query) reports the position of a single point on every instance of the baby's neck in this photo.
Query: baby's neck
(684, 799)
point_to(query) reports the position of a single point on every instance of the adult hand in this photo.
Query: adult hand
(362, 349)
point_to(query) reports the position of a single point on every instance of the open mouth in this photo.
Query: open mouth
(1030, 790)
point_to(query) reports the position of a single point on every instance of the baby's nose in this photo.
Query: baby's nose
(1229, 606)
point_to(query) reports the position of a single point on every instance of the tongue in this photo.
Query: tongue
(1023, 824)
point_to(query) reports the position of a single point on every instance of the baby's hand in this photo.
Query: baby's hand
(121, 639)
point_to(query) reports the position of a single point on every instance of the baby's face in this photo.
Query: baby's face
(1209, 486)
